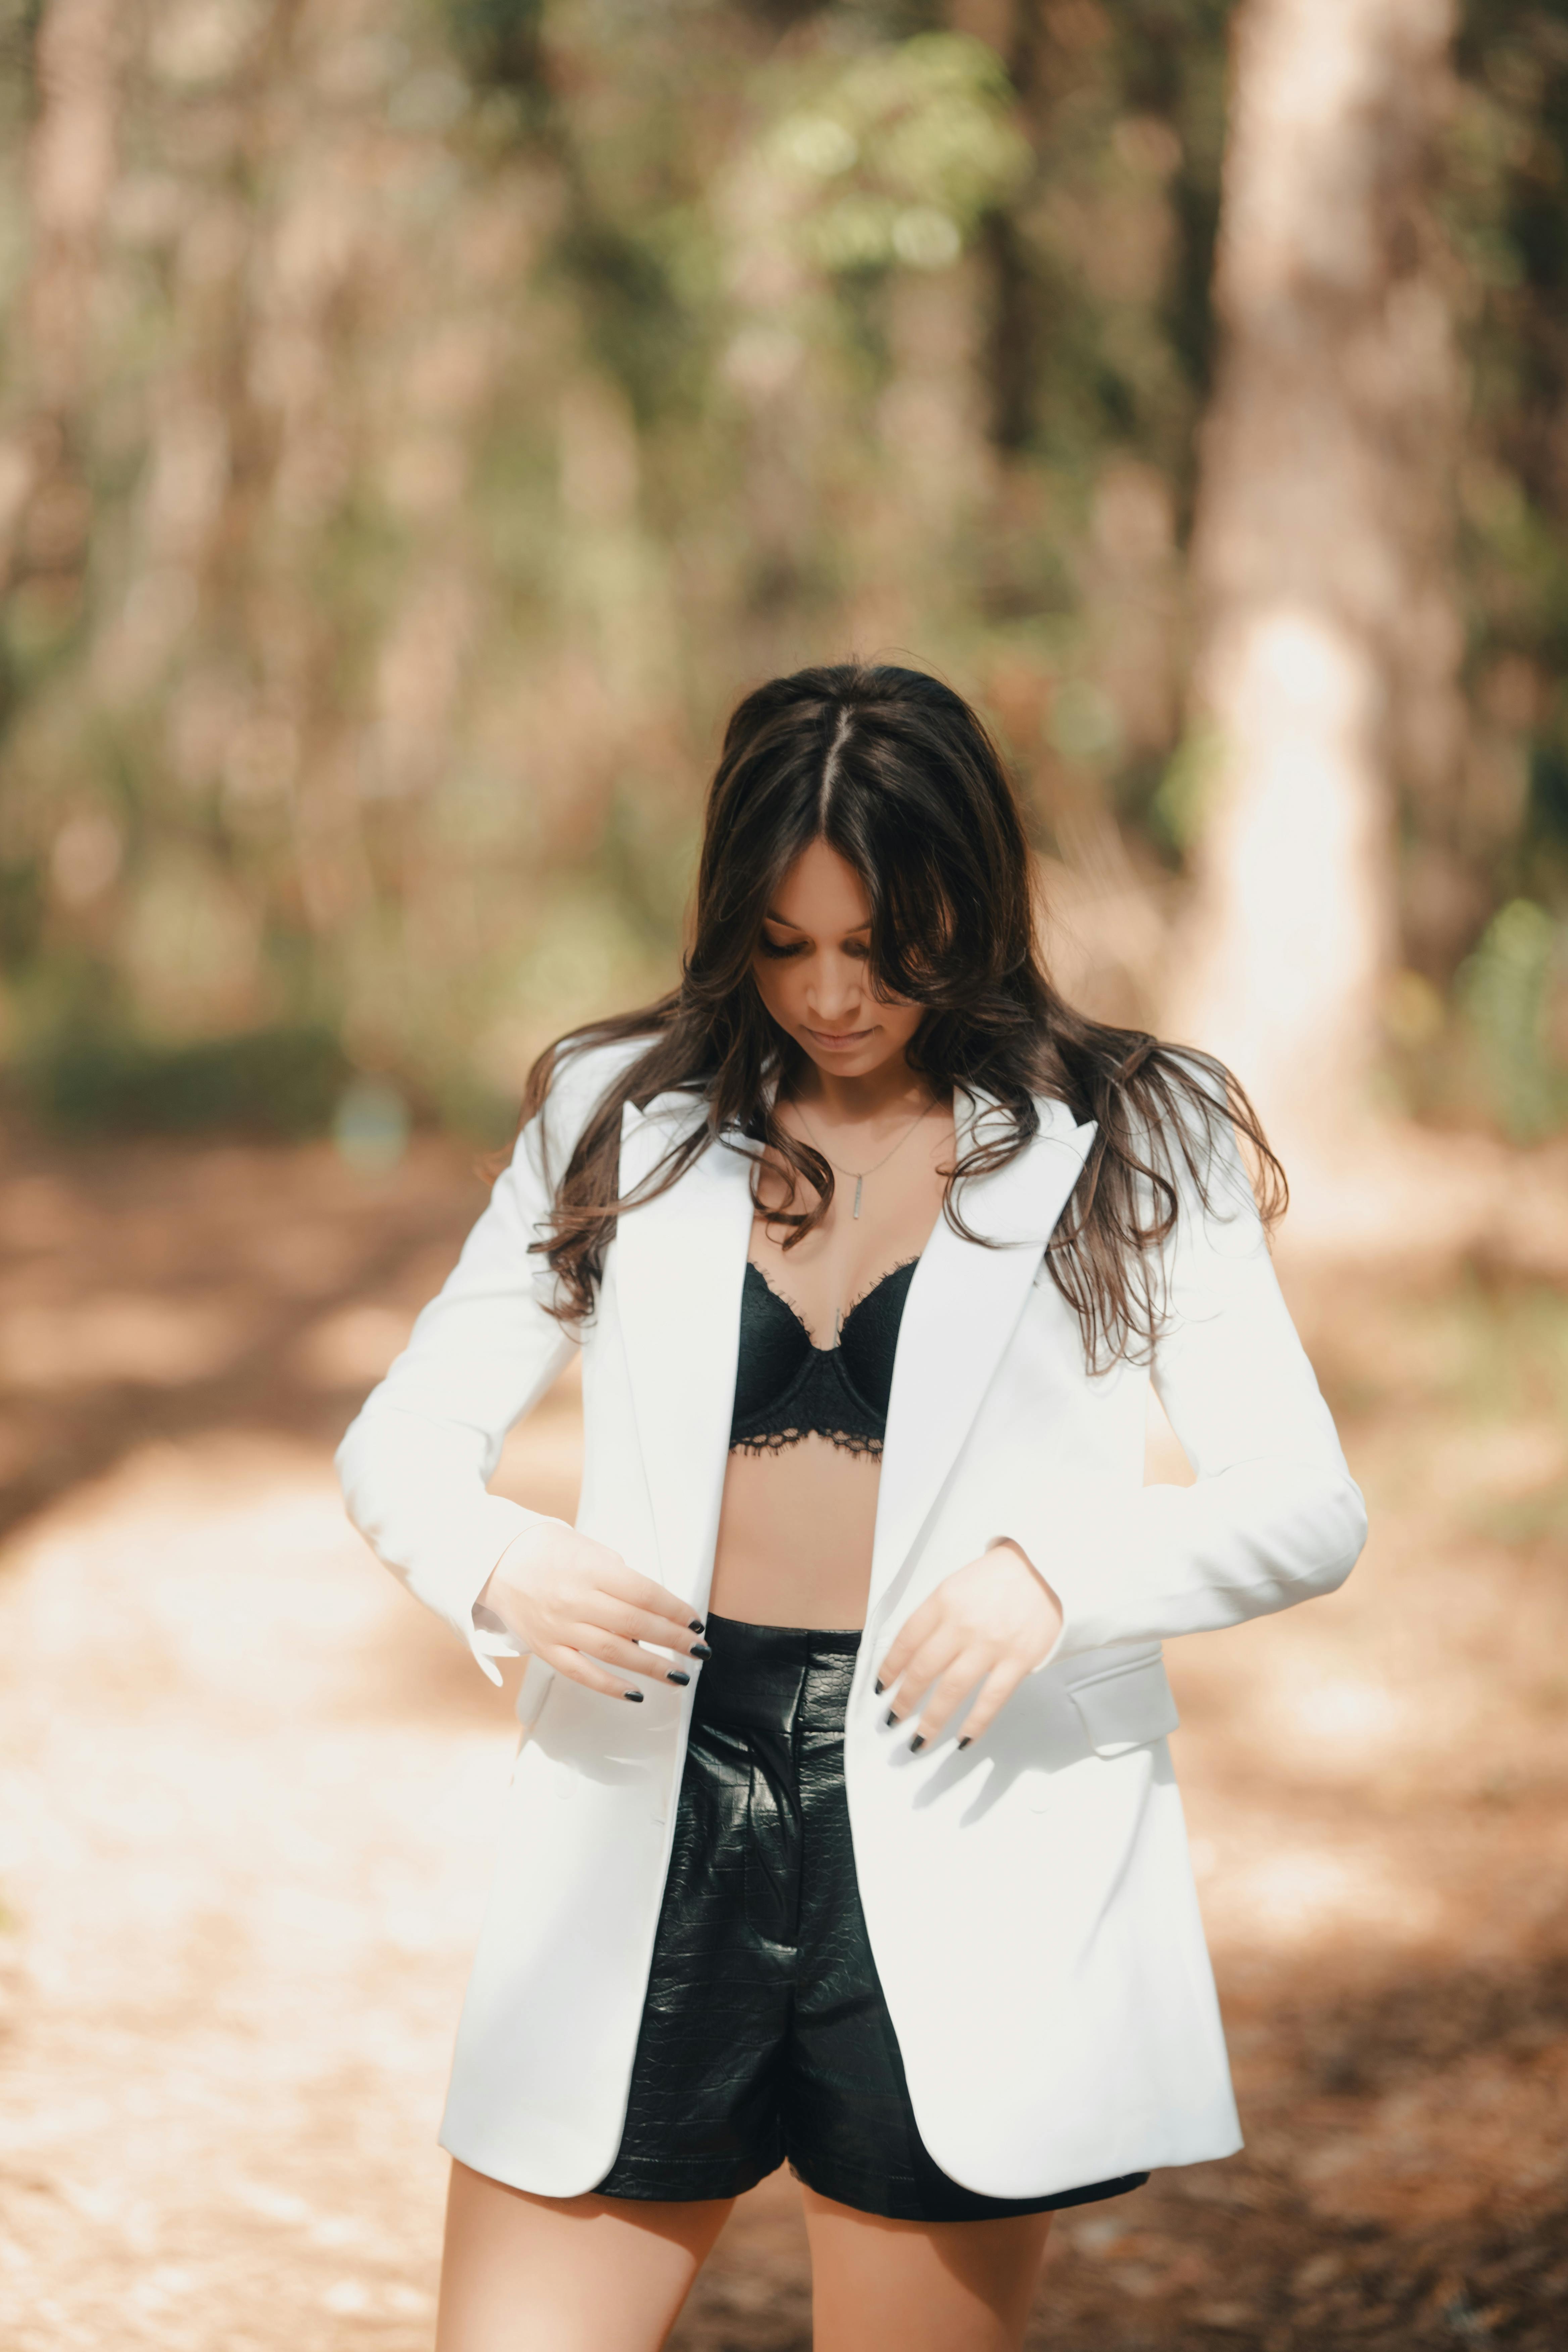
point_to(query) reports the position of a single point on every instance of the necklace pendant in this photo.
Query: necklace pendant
(856, 1209)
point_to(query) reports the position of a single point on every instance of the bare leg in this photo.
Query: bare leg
(572, 2273)
(926, 2286)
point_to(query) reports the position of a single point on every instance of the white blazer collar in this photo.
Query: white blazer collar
(680, 1261)
(962, 1306)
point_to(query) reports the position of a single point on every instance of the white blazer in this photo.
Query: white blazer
(1029, 1903)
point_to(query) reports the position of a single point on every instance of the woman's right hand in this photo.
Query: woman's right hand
(577, 1605)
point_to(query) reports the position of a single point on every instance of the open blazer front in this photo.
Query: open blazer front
(1030, 1902)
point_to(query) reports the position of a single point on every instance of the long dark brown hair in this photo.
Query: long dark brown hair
(898, 774)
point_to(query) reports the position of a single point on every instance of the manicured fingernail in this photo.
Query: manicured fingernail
(963, 1743)
(696, 1625)
(673, 1677)
(699, 1650)
(918, 1741)
(878, 1687)
(891, 1717)
(633, 1695)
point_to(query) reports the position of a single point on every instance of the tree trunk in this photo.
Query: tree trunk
(44, 511)
(1325, 669)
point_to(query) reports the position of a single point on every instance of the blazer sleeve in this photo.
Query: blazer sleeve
(415, 1464)
(1274, 1516)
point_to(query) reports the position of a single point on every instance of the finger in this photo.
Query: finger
(655, 1600)
(914, 1630)
(933, 1657)
(580, 1669)
(968, 1671)
(641, 1625)
(624, 1657)
(1000, 1685)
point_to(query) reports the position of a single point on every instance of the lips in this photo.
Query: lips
(840, 1038)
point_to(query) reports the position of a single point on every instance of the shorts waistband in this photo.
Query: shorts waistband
(769, 1677)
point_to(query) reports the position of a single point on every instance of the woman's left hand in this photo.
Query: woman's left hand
(990, 1623)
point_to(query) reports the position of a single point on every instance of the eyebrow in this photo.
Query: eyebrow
(771, 917)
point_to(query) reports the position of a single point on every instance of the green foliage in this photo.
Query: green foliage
(637, 324)
(1181, 802)
(1506, 210)
(1504, 990)
(500, 43)
(895, 157)
(278, 1081)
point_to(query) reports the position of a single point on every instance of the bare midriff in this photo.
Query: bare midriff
(797, 1523)
(795, 1536)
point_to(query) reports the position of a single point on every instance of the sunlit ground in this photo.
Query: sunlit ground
(250, 1790)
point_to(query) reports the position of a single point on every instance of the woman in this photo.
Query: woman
(843, 1830)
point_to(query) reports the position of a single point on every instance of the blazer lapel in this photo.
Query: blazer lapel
(680, 1260)
(962, 1306)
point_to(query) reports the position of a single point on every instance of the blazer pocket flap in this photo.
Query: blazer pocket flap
(1126, 1707)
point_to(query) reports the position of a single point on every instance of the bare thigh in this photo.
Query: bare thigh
(576, 2274)
(927, 2287)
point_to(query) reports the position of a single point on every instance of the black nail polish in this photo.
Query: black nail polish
(695, 1626)
(965, 1742)
(674, 1677)
(917, 1742)
(699, 1650)
(878, 1688)
(633, 1695)
(891, 1717)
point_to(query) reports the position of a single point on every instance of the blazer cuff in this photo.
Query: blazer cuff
(496, 1525)
(491, 1639)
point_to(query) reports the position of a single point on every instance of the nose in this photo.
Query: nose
(835, 991)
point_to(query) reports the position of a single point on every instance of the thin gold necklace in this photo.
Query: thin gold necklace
(860, 1174)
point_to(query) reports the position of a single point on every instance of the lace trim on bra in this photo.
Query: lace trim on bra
(847, 1439)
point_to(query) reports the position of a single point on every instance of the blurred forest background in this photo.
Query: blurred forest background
(420, 419)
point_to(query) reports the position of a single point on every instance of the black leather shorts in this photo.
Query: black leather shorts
(764, 2037)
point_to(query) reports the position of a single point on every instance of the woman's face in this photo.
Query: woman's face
(813, 974)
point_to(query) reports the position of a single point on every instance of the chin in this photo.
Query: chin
(857, 1064)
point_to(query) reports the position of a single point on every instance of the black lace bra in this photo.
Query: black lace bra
(787, 1388)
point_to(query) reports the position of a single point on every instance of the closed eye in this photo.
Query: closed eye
(854, 947)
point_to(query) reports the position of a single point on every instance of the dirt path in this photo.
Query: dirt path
(247, 1789)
